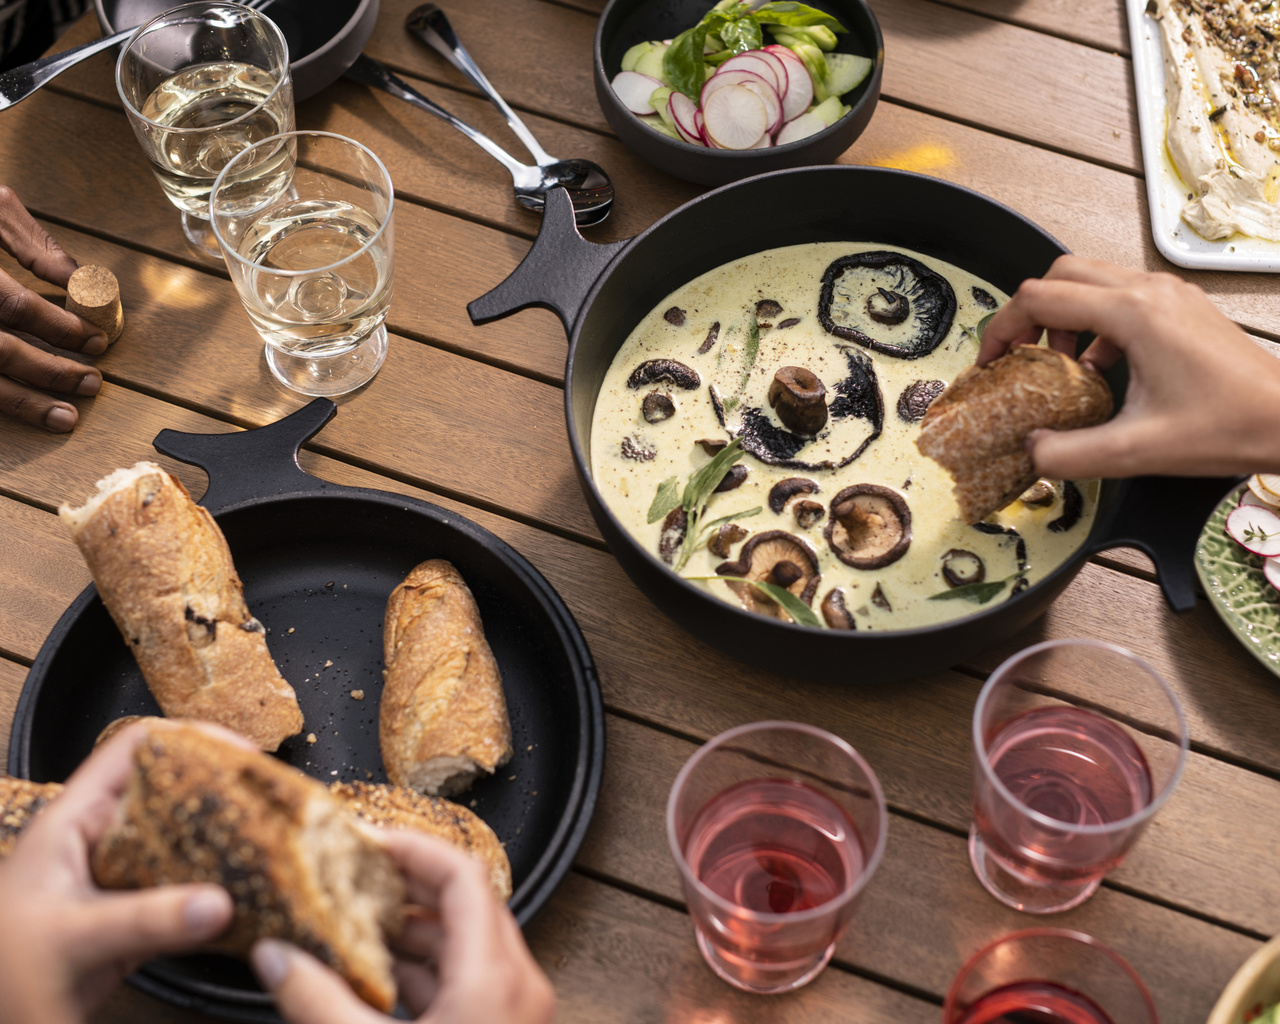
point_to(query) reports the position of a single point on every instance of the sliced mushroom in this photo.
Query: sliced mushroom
(916, 398)
(1072, 508)
(784, 490)
(888, 302)
(777, 557)
(880, 599)
(984, 298)
(711, 445)
(809, 513)
(870, 526)
(672, 536)
(1040, 494)
(674, 316)
(728, 535)
(664, 371)
(800, 399)
(733, 479)
(767, 308)
(710, 339)
(960, 567)
(834, 612)
(788, 323)
(657, 407)
(634, 448)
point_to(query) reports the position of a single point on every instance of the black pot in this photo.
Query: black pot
(600, 292)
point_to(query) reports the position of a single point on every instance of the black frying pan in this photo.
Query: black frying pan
(600, 292)
(324, 36)
(318, 562)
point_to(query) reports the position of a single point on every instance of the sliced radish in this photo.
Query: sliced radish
(1266, 486)
(757, 62)
(800, 128)
(1256, 529)
(734, 117)
(722, 78)
(702, 130)
(780, 68)
(634, 90)
(683, 112)
(772, 105)
(1271, 570)
(1247, 497)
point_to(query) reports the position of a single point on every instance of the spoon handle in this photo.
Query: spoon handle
(429, 23)
(368, 71)
(20, 82)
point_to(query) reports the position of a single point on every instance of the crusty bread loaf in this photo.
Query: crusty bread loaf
(20, 801)
(200, 809)
(396, 807)
(977, 429)
(443, 715)
(165, 574)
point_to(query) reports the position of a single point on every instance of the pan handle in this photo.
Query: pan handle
(251, 463)
(1163, 516)
(556, 273)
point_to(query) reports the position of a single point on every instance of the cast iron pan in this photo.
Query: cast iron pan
(324, 36)
(318, 562)
(600, 292)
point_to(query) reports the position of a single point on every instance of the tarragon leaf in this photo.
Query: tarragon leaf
(703, 483)
(667, 498)
(792, 605)
(978, 593)
(982, 324)
(736, 515)
(750, 351)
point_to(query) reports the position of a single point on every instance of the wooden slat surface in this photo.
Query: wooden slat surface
(1028, 101)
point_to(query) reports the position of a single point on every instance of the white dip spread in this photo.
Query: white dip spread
(733, 328)
(1222, 89)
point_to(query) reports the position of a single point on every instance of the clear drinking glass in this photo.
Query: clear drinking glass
(776, 827)
(305, 224)
(1076, 745)
(200, 83)
(1050, 976)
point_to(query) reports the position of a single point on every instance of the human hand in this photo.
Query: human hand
(64, 943)
(26, 371)
(1203, 399)
(460, 958)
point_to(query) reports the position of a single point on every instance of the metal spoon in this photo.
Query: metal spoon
(588, 186)
(430, 25)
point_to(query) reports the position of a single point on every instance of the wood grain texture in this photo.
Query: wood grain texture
(12, 676)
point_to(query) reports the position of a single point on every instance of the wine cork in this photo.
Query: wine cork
(94, 293)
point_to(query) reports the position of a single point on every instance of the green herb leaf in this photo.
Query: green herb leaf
(982, 324)
(667, 498)
(683, 63)
(978, 593)
(736, 515)
(750, 351)
(792, 605)
(702, 483)
(787, 12)
(742, 35)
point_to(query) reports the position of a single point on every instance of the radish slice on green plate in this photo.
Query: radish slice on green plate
(634, 89)
(734, 117)
(1256, 529)
(1266, 486)
(1247, 497)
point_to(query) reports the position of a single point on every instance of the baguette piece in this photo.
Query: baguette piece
(201, 809)
(977, 428)
(165, 574)
(443, 716)
(396, 807)
(20, 801)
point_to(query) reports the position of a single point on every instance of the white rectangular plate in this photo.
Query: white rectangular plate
(1166, 193)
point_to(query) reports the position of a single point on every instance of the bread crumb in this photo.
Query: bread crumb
(311, 737)
(529, 747)
(328, 664)
(474, 802)
(511, 778)
(357, 694)
(334, 772)
(289, 630)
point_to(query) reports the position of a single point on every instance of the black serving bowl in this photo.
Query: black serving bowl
(324, 36)
(627, 22)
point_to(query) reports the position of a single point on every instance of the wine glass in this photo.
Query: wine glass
(1051, 976)
(1076, 745)
(200, 83)
(305, 224)
(775, 827)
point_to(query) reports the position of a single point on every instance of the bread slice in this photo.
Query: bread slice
(20, 801)
(165, 573)
(443, 715)
(396, 807)
(977, 428)
(200, 809)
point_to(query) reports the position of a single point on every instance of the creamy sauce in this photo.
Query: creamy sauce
(791, 277)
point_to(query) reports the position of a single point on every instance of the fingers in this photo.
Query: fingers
(432, 867)
(29, 368)
(1116, 449)
(30, 244)
(304, 989)
(128, 928)
(21, 309)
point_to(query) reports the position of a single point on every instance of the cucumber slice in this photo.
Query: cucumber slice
(662, 128)
(630, 58)
(845, 72)
(650, 63)
(829, 110)
(659, 103)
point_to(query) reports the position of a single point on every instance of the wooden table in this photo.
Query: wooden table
(1029, 101)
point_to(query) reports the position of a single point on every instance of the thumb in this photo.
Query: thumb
(135, 926)
(304, 989)
(1113, 449)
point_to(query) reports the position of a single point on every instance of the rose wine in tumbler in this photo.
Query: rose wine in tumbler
(1071, 765)
(1034, 1002)
(772, 846)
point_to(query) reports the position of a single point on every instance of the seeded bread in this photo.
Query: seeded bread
(977, 428)
(396, 807)
(165, 573)
(198, 808)
(443, 714)
(20, 801)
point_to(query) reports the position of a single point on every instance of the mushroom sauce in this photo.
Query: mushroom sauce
(701, 368)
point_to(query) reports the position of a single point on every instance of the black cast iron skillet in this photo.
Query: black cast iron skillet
(318, 562)
(324, 36)
(600, 292)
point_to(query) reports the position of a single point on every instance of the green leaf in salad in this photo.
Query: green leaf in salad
(978, 593)
(667, 498)
(742, 35)
(792, 605)
(788, 12)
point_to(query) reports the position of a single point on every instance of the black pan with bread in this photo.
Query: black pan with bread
(318, 562)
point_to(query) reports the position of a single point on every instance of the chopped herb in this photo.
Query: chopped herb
(698, 490)
(1256, 533)
(978, 593)
(667, 498)
(977, 331)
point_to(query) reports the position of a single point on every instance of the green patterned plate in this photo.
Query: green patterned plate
(1232, 577)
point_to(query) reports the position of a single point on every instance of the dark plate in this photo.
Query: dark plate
(318, 562)
(324, 36)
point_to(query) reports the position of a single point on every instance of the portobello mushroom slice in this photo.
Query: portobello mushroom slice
(960, 567)
(776, 557)
(916, 398)
(834, 612)
(784, 490)
(888, 302)
(664, 371)
(870, 526)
